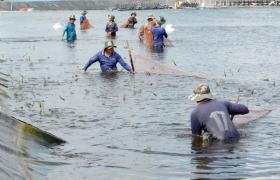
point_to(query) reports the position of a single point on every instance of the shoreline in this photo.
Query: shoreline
(86, 5)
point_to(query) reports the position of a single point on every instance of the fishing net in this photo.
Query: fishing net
(149, 66)
(145, 35)
(253, 115)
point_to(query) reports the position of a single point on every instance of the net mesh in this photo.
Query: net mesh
(149, 66)
(253, 115)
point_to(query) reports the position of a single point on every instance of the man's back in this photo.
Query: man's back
(214, 117)
(158, 35)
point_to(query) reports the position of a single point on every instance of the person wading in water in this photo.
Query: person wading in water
(111, 27)
(70, 30)
(84, 22)
(145, 35)
(107, 59)
(131, 21)
(159, 34)
(213, 116)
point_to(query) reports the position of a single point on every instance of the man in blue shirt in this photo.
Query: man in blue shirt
(213, 116)
(107, 59)
(159, 34)
(70, 30)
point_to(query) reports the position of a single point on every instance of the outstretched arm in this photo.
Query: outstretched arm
(235, 108)
(92, 60)
(123, 64)
(64, 31)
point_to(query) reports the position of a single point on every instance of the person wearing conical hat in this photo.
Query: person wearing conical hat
(111, 27)
(84, 22)
(70, 30)
(213, 116)
(131, 21)
(108, 59)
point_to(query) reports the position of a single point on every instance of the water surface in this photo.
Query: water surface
(137, 127)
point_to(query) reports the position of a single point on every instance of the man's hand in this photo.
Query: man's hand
(83, 71)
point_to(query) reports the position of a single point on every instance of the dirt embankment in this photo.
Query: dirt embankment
(88, 5)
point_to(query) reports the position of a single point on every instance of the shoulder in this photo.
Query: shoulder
(99, 53)
(116, 54)
(194, 112)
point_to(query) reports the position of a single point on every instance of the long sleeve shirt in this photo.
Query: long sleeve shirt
(107, 63)
(70, 32)
(158, 35)
(82, 18)
(111, 27)
(214, 117)
(131, 22)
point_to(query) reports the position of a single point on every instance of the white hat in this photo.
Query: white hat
(200, 93)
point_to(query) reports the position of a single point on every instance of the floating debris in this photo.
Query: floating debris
(266, 79)
(29, 105)
(63, 99)
(174, 63)
(148, 148)
(148, 73)
(252, 92)
(45, 83)
(42, 107)
(87, 91)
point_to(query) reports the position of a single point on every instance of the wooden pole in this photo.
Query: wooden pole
(130, 56)
(236, 101)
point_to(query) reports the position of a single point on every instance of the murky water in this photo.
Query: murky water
(137, 127)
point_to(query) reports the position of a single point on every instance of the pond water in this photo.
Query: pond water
(122, 126)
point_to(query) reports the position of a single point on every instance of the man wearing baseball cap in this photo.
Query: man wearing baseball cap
(107, 59)
(213, 116)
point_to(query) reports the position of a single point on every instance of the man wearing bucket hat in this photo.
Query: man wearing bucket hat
(213, 116)
(107, 59)
(111, 27)
(70, 30)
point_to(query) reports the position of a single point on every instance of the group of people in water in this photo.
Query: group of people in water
(211, 116)
(153, 35)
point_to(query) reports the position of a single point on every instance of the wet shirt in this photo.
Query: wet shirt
(111, 27)
(107, 63)
(158, 36)
(70, 32)
(214, 117)
(82, 18)
(131, 22)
